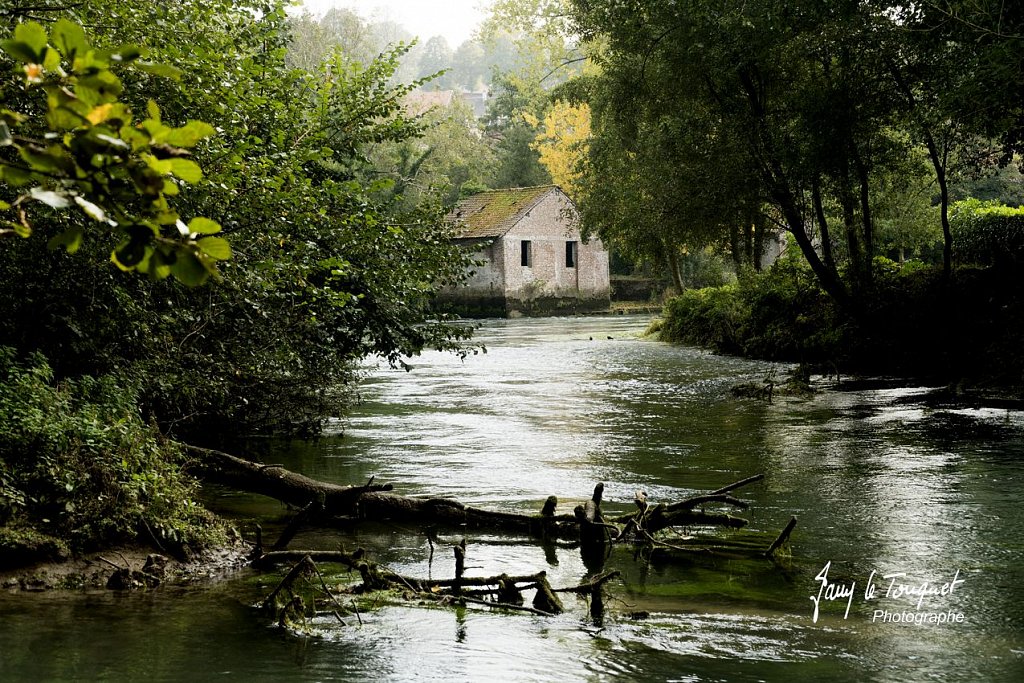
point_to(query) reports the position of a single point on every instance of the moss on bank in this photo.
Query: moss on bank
(80, 469)
(908, 322)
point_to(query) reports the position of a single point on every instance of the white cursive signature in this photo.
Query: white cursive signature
(830, 591)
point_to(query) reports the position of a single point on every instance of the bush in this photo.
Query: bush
(705, 317)
(911, 322)
(779, 314)
(987, 233)
(78, 464)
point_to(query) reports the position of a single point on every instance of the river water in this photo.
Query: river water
(882, 480)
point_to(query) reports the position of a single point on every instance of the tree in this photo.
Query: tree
(518, 164)
(562, 142)
(451, 154)
(437, 58)
(327, 269)
(469, 69)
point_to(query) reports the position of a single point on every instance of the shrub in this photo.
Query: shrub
(780, 313)
(705, 317)
(77, 463)
(987, 233)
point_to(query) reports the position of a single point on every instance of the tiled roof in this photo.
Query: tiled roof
(495, 212)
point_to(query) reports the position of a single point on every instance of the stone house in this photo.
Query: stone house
(531, 257)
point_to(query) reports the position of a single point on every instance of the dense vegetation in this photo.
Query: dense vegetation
(243, 170)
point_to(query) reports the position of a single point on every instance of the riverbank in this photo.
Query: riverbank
(145, 569)
(910, 322)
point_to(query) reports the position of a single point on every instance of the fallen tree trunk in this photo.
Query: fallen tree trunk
(277, 482)
(326, 501)
(371, 501)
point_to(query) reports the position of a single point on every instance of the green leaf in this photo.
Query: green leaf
(130, 253)
(63, 118)
(19, 229)
(47, 162)
(69, 38)
(15, 176)
(19, 50)
(5, 135)
(189, 134)
(153, 110)
(126, 53)
(55, 199)
(186, 169)
(104, 84)
(4, 205)
(164, 70)
(161, 166)
(51, 60)
(215, 247)
(70, 239)
(32, 34)
(188, 269)
(203, 226)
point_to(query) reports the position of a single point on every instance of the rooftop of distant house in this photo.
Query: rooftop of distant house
(494, 212)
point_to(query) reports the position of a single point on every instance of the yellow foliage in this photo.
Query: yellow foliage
(562, 141)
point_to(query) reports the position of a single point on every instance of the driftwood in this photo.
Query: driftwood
(287, 605)
(321, 502)
(325, 503)
(374, 501)
(371, 501)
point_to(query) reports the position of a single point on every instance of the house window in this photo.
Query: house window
(570, 254)
(526, 253)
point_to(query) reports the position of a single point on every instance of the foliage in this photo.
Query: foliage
(78, 464)
(988, 233)
(449, 156)
(516, 101)
(113, 175)
(807, 112)
(562, 141)
(778, 314)
(328, 266)
(918, 323)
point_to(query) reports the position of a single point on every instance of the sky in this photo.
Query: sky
(454, 19)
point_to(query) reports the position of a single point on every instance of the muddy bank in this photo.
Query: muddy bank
(126, 568)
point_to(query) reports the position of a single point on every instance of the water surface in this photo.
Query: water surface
(880, 481)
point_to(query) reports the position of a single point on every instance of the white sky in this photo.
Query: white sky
(454, 19)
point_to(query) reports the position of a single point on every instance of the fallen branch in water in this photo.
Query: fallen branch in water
(328, 504)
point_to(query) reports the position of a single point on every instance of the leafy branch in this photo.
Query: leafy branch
(87, 157)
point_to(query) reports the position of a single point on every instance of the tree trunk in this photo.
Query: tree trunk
(781, 192)
(672, 257)
(819, 214)
(939, 163)
(827, 277)
(735, 247)
(865, 216)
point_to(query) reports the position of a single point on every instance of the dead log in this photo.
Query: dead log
(313, 508)
(371, 501)
(277, 482)
(374, 501)
(737, 484)
(782, 537)
(593, 584)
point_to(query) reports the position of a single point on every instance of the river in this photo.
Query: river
(881, 479)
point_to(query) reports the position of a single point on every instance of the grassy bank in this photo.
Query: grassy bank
(80, 469)
(909, 321)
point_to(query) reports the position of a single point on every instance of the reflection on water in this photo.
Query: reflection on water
(881, 481)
